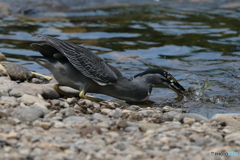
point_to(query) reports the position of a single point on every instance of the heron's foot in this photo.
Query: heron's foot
(83, 96)
(57, 89)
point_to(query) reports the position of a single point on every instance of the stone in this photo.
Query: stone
(121, 146)
(117, 113)
(5, 85)
(58, 124)
(71, 100)
(68, 112)
(188, 120)
(131, 129)
(230, 121)
(103, 125)
(3, 115)
(113, 135)
(146, 113)
(30, 99)
(75, 119)
(46, 91)
(45, 125)
(8, 101)
(90, 130)
(27, 114)
(233, 137)
(168, 109)
(3, 71)
(106, 111)
(122, 124)
(2, 56)
(144, 126)
(171, 115)
(17, 72)
(197, 117)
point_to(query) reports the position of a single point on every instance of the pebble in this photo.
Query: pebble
(74, 119)
(30, 99)
(27, 114)
(5, 85)
(2, 57)
(230, 121)
(46, 91)
(3, 71)
(71, 100)
(117, 113)
(17, 72)
(90, 130)
(144, 126)
(122, 124)
(196, 117)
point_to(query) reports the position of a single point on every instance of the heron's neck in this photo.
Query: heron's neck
(135, 89)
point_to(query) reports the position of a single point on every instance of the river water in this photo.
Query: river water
(193, 41)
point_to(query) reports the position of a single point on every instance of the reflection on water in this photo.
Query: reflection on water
(192, 42)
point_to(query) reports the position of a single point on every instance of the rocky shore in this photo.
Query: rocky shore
(36, 124)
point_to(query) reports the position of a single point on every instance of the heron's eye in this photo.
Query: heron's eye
(171, 79)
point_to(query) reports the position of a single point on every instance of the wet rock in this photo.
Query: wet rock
(144, 126)
(75, 119)
(197, 117)
(17, 72)
(230, 121)
(46, 91)
(27, 114)
(90, 130)
(117, 113)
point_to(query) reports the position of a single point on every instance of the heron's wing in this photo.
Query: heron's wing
(88, 63)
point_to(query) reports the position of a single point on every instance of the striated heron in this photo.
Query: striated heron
(77, 67)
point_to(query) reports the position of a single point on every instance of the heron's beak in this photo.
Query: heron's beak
(176, 87)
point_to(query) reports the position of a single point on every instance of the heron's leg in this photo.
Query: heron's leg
(83, 96)
(57, 89)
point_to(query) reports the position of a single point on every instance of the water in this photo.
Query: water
(192, 41)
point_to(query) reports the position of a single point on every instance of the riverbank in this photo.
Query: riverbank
(36, 123)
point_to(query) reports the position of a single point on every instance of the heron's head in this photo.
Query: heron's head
(161, 78)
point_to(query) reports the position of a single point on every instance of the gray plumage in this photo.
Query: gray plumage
(79, 68)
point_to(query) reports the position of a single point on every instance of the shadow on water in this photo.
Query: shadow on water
(193, 42)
